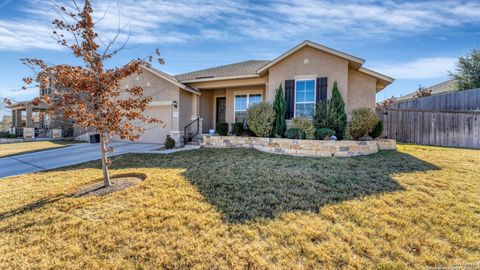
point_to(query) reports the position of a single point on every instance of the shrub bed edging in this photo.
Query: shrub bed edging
(312, 148)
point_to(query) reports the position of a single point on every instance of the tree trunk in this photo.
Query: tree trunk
(106, 175)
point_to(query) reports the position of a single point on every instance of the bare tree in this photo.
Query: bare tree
(90, 94)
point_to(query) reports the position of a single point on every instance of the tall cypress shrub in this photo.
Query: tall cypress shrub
(280, 108)
(338, 105)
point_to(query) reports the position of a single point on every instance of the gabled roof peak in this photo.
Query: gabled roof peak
(356, 61)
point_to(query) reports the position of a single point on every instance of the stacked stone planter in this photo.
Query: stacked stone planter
(311, 148)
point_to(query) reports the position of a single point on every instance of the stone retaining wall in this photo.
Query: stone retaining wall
(312, 148)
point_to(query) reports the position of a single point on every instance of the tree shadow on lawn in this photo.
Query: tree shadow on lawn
(245, 184)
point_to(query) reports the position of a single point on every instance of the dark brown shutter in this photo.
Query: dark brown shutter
(290, 98)
(322, 85)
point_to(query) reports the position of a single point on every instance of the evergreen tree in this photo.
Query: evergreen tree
(467, 73)
(280, 108)
(338, 105)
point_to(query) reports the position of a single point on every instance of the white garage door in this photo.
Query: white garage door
(155, 133)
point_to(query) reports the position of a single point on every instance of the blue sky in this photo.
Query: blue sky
(416, 42)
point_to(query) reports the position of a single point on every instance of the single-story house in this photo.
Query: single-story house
(440, 88)
(195, 101)
(222, 94)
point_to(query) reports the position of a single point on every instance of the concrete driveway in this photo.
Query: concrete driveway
(65, 156)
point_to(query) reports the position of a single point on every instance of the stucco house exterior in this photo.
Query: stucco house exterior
(222, 94)
(195, 101)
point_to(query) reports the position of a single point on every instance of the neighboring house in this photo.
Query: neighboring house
(443, 87)
(222, 94)
(6, 123)
(31, 120)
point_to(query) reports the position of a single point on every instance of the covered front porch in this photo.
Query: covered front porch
(228, 104)
(32, 121)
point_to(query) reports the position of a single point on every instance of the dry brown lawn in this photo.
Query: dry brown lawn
(11, 149)
(243, 209)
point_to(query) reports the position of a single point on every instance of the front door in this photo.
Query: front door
(221, 112)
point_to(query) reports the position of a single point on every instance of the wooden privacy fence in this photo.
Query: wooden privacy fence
(450, 119)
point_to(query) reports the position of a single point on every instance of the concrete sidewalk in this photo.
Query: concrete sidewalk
(65, 156)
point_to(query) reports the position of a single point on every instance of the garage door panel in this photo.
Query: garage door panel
(154, 132)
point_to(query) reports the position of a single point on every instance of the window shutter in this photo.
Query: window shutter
(290, 98)
(322, 85)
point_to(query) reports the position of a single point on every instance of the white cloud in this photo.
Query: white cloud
(181, 21)
(19, 35)
(363, 19)
(422, 68)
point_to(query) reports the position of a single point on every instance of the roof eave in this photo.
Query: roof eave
(222, 78)
(382, 80)
(350, 58)
(179, 84)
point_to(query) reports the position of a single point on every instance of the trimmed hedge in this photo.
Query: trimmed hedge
(363, 122)
(7, 135)
(260, 119)
(306, 125)
(222, 128)
(377, 131)
(323, 133)
(295, 133)
(237, 128)
(169, 142)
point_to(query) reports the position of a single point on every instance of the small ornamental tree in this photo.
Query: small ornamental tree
(280, 108)
(422, 91)
(386, 103)
(467, 72)
(90, 94)
(338, 105)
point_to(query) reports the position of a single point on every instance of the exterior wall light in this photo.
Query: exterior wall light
(175, 105)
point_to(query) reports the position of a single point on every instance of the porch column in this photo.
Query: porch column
(53, 121)
(29, 122)
(18, 118)
(14, 118)
(195, 100)
(28, 130)
(41, 119)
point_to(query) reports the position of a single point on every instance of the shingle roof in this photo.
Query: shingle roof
(442, 87)
(244, 68)
(172, 79)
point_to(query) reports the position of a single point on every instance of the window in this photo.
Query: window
(304, 98)
(242, 102)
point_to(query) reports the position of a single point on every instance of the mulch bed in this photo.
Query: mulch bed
(118, 184)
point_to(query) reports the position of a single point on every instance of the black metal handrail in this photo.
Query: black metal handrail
(187, 138)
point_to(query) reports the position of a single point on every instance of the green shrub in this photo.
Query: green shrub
(304, 124)
(331, 114)
(323, 133)
(377, 131)
(7, 135)
(363, 122)
(280, 108)
(347, 136)
(338, 107)
(295, 133)
(326, 116)
(222, 128)
(169, 142)
(260, 119)
(249, 132)
(237, 128)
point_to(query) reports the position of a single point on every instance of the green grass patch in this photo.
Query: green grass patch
(240, 209)
(12, 149)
